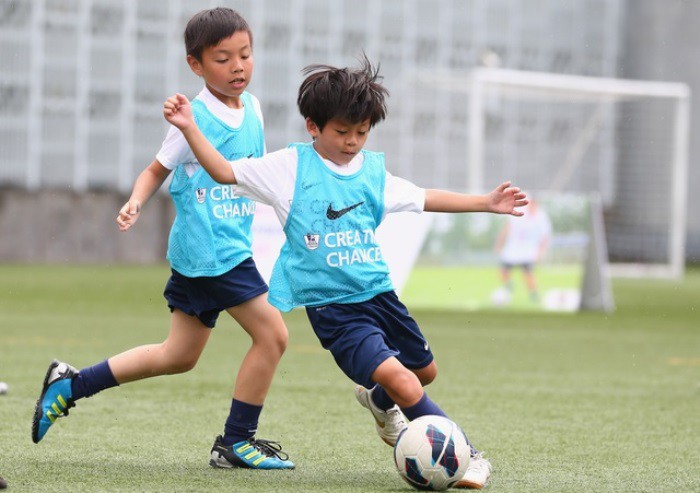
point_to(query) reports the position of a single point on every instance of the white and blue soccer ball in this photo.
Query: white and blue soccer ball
(432, 453)
(500, 297)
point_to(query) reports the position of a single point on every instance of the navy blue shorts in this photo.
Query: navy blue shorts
(206, 297)
(527, 267)
(361, 336)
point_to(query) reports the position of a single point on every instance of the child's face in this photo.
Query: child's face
(339, 141)
(226, 68)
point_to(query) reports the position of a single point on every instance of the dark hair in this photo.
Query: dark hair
(208, 27)
(353, 95)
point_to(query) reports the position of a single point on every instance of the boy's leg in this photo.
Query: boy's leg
(63, 384)
(409, 348)
(403, 387)
(396, 388)
(389, 421)
(179, 353)
(237, 447)
(408, 393)
(506, 277)
(269, 337)
(530, 282)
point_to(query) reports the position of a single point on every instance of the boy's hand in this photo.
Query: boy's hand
(177, 110)
(504, 200)
(128, 214)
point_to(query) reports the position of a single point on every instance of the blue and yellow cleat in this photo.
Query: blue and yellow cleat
(249, 454)
(55, 398)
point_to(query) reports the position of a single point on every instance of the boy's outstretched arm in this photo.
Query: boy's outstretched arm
(504, 199)
(177, 110)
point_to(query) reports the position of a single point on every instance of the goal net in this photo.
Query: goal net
(624, 140)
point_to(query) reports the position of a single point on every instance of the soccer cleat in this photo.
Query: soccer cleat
(477, 474)
(55, 398)
(249, 454)
(389, 423)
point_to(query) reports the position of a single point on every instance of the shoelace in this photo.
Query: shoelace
(269, 448)
(63, 375)
(65, 411)
(478, 463)
(395, 415)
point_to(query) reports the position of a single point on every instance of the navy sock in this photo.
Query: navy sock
(423, 407)
(426, 406)
(381, 399)
(92, 380)
(242, 422)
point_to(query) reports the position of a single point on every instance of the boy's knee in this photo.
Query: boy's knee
(284, 341)
(427, 380)
(405, 388)
(276, 340)
(282, 337)
(427, 374)
(404, 382)
(280, 342)
(181, 365)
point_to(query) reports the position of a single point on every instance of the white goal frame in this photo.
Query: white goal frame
(597, 87)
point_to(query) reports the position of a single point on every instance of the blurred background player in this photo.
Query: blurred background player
(209, 250)
(521, 244)
(331, 195)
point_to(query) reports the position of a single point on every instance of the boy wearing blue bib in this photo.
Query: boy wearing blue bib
(209, 250)
(331, 196)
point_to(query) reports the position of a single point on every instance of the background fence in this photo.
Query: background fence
(82, 81)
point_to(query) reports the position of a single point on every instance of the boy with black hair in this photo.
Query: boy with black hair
(210, 255)
(330, 195)
(522, 245)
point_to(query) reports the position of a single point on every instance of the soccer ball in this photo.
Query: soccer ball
(500, 297)
(432, 453)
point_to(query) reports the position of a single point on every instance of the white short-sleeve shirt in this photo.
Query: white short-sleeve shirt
(176, 151)
(270, 179)
(526, 235)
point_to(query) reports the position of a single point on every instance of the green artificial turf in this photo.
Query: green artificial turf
(473, 288)
(560, 403)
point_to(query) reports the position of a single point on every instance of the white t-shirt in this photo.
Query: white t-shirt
(175, 150)
(270, 179)
(525, 237)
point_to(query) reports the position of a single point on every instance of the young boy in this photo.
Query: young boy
(209, 252)
(331, 195)
(522, 244)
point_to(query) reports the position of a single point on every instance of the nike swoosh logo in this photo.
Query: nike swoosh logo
(333, 214)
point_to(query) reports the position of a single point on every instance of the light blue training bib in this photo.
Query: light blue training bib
(211, 233)
(331, 254)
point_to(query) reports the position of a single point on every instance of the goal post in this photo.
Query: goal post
(626, 140)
